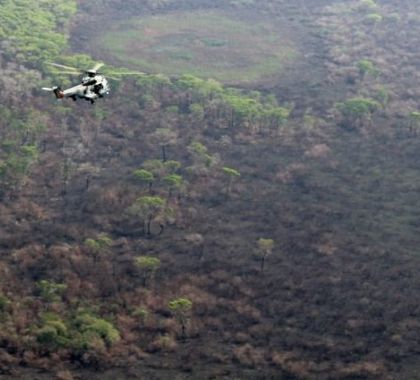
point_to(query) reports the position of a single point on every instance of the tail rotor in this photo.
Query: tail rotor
(58, 92)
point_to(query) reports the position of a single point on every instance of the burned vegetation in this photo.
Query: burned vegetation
(185, 228)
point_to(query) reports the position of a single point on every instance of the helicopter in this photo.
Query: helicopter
(93, 85)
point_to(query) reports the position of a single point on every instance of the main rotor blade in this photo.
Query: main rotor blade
(132, 73)
(47, 89)
(62, 66)
(97, 66)
(107, 76)
(69, 72)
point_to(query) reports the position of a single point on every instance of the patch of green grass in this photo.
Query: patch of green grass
(181, 55)
(207, 44)
(213, 42)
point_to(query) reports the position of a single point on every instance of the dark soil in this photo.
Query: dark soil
(338, 298)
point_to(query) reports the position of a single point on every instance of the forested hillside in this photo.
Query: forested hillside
(192, 228)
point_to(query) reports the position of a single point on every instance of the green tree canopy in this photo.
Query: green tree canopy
(51, 291)
(367, 5)
(231, 175)
(414, 121)
(99, 245)
(181, 308)
(156, 167)
(366, 66)
(148, 263)
(415, 116)
(354, 110)
(32, 30)
(230, 172)
(4, 303)
(200, 155)
(147, 208)
(53, 333)
(144, 176)
(103, 241)
(372, 19)
(90, 326)
(265, 245)
(173, 181)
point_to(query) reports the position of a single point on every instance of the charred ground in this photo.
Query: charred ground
(335, 189)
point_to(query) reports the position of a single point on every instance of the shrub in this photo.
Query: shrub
(367, 5)
(4, 303)
(372, 19)
(92, 327)
(51, 291)
(164, 343)
(53, 333)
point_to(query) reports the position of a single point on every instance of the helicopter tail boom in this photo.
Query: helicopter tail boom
(59, 94)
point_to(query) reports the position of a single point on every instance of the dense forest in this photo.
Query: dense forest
(187, 227)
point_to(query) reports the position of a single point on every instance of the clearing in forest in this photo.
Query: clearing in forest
(209, 44)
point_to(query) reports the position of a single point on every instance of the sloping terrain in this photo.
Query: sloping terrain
(180, 228)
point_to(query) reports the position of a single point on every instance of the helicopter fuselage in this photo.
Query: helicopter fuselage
(91, 88)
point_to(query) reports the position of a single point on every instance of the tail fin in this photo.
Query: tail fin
(59, 94)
